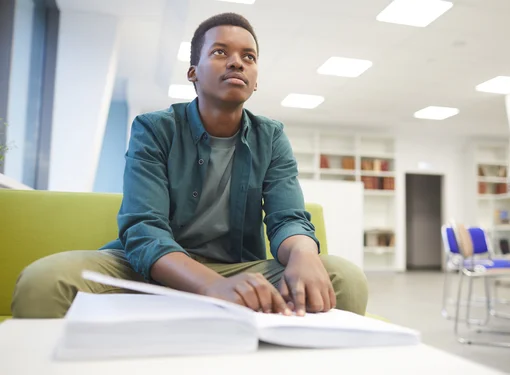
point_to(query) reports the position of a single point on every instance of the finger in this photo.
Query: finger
(291, 306)
(314, 301)
(332, 296)
(325, 299)
(248, 294)
(297, 291)
(284, 290)
(279, 304)
(237, 299)
(263, 290)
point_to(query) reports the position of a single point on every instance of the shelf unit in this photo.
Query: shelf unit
(493, 206)
(326, 156)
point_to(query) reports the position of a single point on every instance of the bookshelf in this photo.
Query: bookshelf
(493, 204)
(491, 168)
(370, 159)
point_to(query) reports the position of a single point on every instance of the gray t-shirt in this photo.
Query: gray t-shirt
(208, 234)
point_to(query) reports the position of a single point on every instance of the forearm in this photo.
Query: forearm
(178, 271)
(296, 243)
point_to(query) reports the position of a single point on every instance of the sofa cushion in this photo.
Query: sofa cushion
(34, 224)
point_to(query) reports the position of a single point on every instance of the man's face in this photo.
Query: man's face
(227, 70)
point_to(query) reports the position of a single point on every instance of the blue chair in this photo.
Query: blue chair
(471, 242)
(454, 261)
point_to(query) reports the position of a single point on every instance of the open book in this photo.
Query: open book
(160, 321)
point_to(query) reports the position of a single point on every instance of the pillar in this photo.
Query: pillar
(86, 69)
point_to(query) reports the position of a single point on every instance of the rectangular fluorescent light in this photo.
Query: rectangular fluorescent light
(497, 85)
(344, 67)
(302, 101)
(182, 92)
(184, 52)
(436, 113)
(239, 1)
(418, 13)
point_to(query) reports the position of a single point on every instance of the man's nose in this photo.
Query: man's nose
(235, 62)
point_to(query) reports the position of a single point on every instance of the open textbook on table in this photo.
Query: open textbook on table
(159, 321)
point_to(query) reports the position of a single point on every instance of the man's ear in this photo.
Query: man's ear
(192, 74)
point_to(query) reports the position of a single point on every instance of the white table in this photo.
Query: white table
(26, 348)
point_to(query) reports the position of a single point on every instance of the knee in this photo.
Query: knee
(39, 290)
(349, 282)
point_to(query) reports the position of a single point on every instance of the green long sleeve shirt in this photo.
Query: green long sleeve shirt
(165, 168)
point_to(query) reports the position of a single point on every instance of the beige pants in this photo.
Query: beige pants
(47, 287)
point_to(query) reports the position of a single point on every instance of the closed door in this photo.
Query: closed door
(423, 221)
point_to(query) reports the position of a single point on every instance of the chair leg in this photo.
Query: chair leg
(492, 307)
(457, 309)
(468, 301)
(446, 290)
(470, 341)
(488, 301)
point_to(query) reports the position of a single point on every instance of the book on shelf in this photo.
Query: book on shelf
(488, 188)
(324, 161)
(378, 183)
(375, 165)
(159, 321)
(501, 189)
(501, 217)
(348, 162)
(492, 171)
(376, 239)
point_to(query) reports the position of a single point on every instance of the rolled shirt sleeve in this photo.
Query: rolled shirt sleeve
(143, 219)
(284, 206)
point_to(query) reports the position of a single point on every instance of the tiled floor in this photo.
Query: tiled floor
(413, 299)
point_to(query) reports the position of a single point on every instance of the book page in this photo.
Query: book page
(164, 291)
(334, 319)
(123, 307)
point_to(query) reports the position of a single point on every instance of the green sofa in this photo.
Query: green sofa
(34, 224)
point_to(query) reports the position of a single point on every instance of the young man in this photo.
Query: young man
(197, 179)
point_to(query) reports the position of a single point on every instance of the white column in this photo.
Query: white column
(19, 89)
(86, 68)
(507, 101)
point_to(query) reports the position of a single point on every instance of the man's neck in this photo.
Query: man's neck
(220, 122)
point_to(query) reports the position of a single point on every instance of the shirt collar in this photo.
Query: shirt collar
(197, 128)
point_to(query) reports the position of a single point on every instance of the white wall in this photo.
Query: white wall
(85, 74)
(19, 88)
(342, 204)
(446, 156)
(507, 102)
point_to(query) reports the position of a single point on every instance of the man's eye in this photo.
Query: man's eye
(251, 57)
(219, 52)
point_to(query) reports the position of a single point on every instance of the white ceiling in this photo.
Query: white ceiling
(413, 67)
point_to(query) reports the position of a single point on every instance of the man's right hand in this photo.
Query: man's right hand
(251, 290)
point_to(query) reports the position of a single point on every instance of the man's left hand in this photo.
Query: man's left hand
(305, 281)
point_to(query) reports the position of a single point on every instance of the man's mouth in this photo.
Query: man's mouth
(235, 79)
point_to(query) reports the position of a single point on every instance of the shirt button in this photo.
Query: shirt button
(201, 161)
(195, 194)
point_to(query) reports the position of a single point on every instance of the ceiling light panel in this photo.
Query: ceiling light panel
(302, 101)
(436, 113)
(497, 85)
(344, 67)
(418, 13)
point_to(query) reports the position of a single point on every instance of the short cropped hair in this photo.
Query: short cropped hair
(224, 19)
